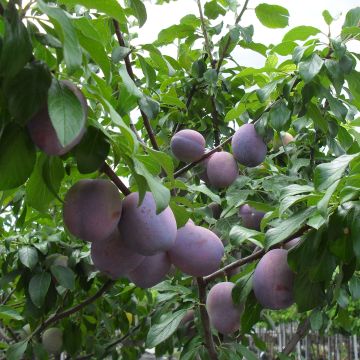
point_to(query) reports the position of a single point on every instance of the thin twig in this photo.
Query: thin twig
(106, 169)
(301, 331)
(209, 343)
(205, 34)
(64, 314)
(129, 70)
(226, 47)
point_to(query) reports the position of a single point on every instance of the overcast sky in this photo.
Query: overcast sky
(304, 12)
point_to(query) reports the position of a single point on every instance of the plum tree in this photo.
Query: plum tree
(248, 147)
(142, 229)
(273, 280)
(188, 145)
(215, 210)
(92, 209)
(42, 131)
(222, 169)
(52, 340)
(197, 251)
(285, 138)
(223, 313)
(250, 217)
(113, 257)
(151, 270)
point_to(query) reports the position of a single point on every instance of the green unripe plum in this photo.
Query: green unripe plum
(151, 271)
(223, 313)
(52, 340)
(197, 251)
(43, 133)
(113, 257)
(250, 217)
(273, 281)
(248, 147)
(286, 139)
(142, 229)
(222, 169)
(188, 145)
(92, 209)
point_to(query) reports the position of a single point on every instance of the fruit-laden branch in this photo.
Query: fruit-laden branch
(255, 256)
(209, 343)
(64, 314)
(131, 74)
(206, 155)
(106, 169)
(226, 47)
(301, 331)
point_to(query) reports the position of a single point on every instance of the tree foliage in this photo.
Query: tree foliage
(137, 99)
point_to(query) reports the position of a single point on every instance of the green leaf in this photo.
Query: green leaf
(64, 276)
(27, 91)
(280, 116)
(324, 202)
(44, 182)
(109, 7)
(16, 43)
(17, 350)
(272, 16)
(148, 71)
(92, 151)
(160, 192)
(327, 174)
(327, 17)
(352, 17)
(181, 214)
(28, 256)
(300, 33)
(173, 101)
(140, 11)
(264, 93)
(72, 51)
(7, 312)
(316, 320)
(168, 35)
(285, 48)
(129, 83)
(149, 106)
(168, 325)
(38, 288)
(245, 352)
(251, 314)
(309, 68)
(287, 227)
(119, 53)
(17, 157)
(212, 9)
(66, 112)
(205, 190)
(354, 287)
(242, 289)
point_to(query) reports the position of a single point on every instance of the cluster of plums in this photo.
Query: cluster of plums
(130, 239)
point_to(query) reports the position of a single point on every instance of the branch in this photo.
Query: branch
(62, 315)
(132, 76)
(203, 28)
(106, 169)
(191, 165)
(209, 343)
(222, 57)
(301, 331)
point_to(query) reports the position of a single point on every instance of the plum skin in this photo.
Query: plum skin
(223, 313)
(197, 251)
(248, 147)
(273, 281)
(250, 217)
(144, 231)
(151, 271)
(222, 169)
(43, 133)
(112, 257)
(52, 340)
(188, 145)
(92, 209)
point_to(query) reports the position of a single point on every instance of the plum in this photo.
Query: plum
(92, 209)
(248, 147)
(215, 210)
(223, 313)
(43, 133)
(188, 145)
(250, 217)
(112, 257)
(286, 139)
(222, 169)
(203, 174)
(197, 251)
(273, 280)
(142, 229)
(151, 270)
(52, 340)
